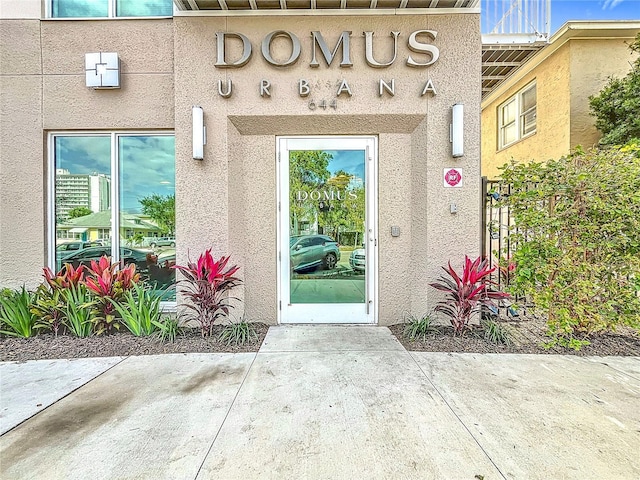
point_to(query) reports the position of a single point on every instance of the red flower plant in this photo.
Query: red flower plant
(108, 281)
(206, 285)
(466, 294)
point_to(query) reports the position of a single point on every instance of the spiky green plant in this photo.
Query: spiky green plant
(15, 313)
(78, 310)
(419, 327)
(138, 309)
(496, 332)
(238, 333)
(168, 328)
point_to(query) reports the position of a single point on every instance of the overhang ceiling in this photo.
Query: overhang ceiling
(501, 60)
(186, 5)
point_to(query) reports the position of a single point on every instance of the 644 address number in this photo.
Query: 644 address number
(323, 104)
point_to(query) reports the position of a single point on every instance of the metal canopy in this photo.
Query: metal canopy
(501, 60)
(186, 5)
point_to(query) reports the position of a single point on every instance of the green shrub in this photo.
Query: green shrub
(238, 333)
(15, 313)
(78, 311)
(496, 332)
(138, 309)
(168, 328)
(419, 327)
(577, 243)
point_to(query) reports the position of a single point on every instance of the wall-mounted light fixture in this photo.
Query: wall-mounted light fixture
(457, 130)
(102, 70)
(199, 133)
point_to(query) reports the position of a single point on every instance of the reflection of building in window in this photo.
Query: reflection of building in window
(81, 190)
(97, 227)
(356, 182)
(517, 116)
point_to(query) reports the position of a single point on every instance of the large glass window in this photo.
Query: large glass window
(111, 8)
(517, 116)
(114, 194)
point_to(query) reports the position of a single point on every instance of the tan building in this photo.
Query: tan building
(541, 110)
(319, 157)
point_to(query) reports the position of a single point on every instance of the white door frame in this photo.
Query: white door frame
(360, 313)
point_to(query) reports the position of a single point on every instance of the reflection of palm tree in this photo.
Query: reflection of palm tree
(308, 171)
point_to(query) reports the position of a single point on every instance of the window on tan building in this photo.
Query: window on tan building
(517, 116)
(110, 8)
(121, 172)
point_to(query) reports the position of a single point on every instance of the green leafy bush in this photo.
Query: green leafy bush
(15, 313)
(168, 328)
(419, 327)
(139, 310)
(238, 333)
(617, 105)
(577, 243)
(495, 332)
(78, 310)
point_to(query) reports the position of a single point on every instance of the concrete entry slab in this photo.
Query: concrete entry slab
(627, 365)
(544, 416)
(29, 387)
(150, 417)
(342, 415)
(329, 338)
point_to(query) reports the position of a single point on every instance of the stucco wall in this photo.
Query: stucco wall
(21, 154)
(21, 9)
(228, 200)
(43, 89)
(593, 62)
(552, 137)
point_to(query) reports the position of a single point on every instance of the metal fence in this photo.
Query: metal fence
(496, 225)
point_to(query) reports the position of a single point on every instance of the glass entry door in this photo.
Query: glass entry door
(327, 244)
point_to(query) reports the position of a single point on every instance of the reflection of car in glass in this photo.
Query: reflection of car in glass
(127, 255)
(312, 251)
(162, 242)
(67, 248)
(357, 259)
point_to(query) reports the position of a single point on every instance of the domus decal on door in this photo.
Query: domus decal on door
(326, 227)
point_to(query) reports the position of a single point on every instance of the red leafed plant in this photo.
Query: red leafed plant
(109, 281)
(466, 294)
(206, 284)
(52, 296)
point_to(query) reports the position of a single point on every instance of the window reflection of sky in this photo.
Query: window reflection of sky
(80, 8)
(147, 164)
(100, 8)
(351, 161)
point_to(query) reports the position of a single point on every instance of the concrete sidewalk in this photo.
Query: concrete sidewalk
(322, 402)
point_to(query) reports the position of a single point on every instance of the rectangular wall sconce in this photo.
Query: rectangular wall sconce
(457, 130)
(199, 133)
(102, 70)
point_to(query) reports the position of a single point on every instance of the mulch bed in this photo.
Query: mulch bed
(527, 334)
(121, 344)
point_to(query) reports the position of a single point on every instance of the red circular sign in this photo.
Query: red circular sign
(452, 177)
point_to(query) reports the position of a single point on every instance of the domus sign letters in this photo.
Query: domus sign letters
(420, 53)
